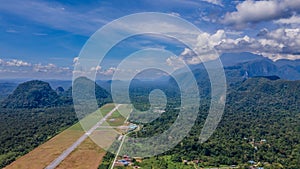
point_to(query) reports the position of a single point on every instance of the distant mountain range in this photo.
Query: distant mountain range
(257, 65)
(39, 94)
(238, 67)
(6, 88)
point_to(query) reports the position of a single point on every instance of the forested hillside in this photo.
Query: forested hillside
(261, 123)
(32, 94)
(22, 130)
(34, 113)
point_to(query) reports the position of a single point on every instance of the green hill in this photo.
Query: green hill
(259, 92)
(86, 88)
(32, 94)
(39, 94)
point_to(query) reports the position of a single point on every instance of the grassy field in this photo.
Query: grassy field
(106, 109)
(104, 137)
(109, 132)
(88, 155)
(116, 119)
(44, 154)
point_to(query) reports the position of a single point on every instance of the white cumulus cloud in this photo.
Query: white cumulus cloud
(251, 11)
(216, 2)
(17, 63)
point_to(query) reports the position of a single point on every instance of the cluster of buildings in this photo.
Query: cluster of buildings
(125, 161)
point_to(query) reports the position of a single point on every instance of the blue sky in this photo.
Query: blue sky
(41, 39)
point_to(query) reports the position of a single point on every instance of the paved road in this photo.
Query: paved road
(123, 139)
(68, 151)
(116, 156)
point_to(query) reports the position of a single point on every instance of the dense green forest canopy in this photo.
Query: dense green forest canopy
(261, 120)
(34, 113)
(32, 94)
(22, 130)
(261, 123)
